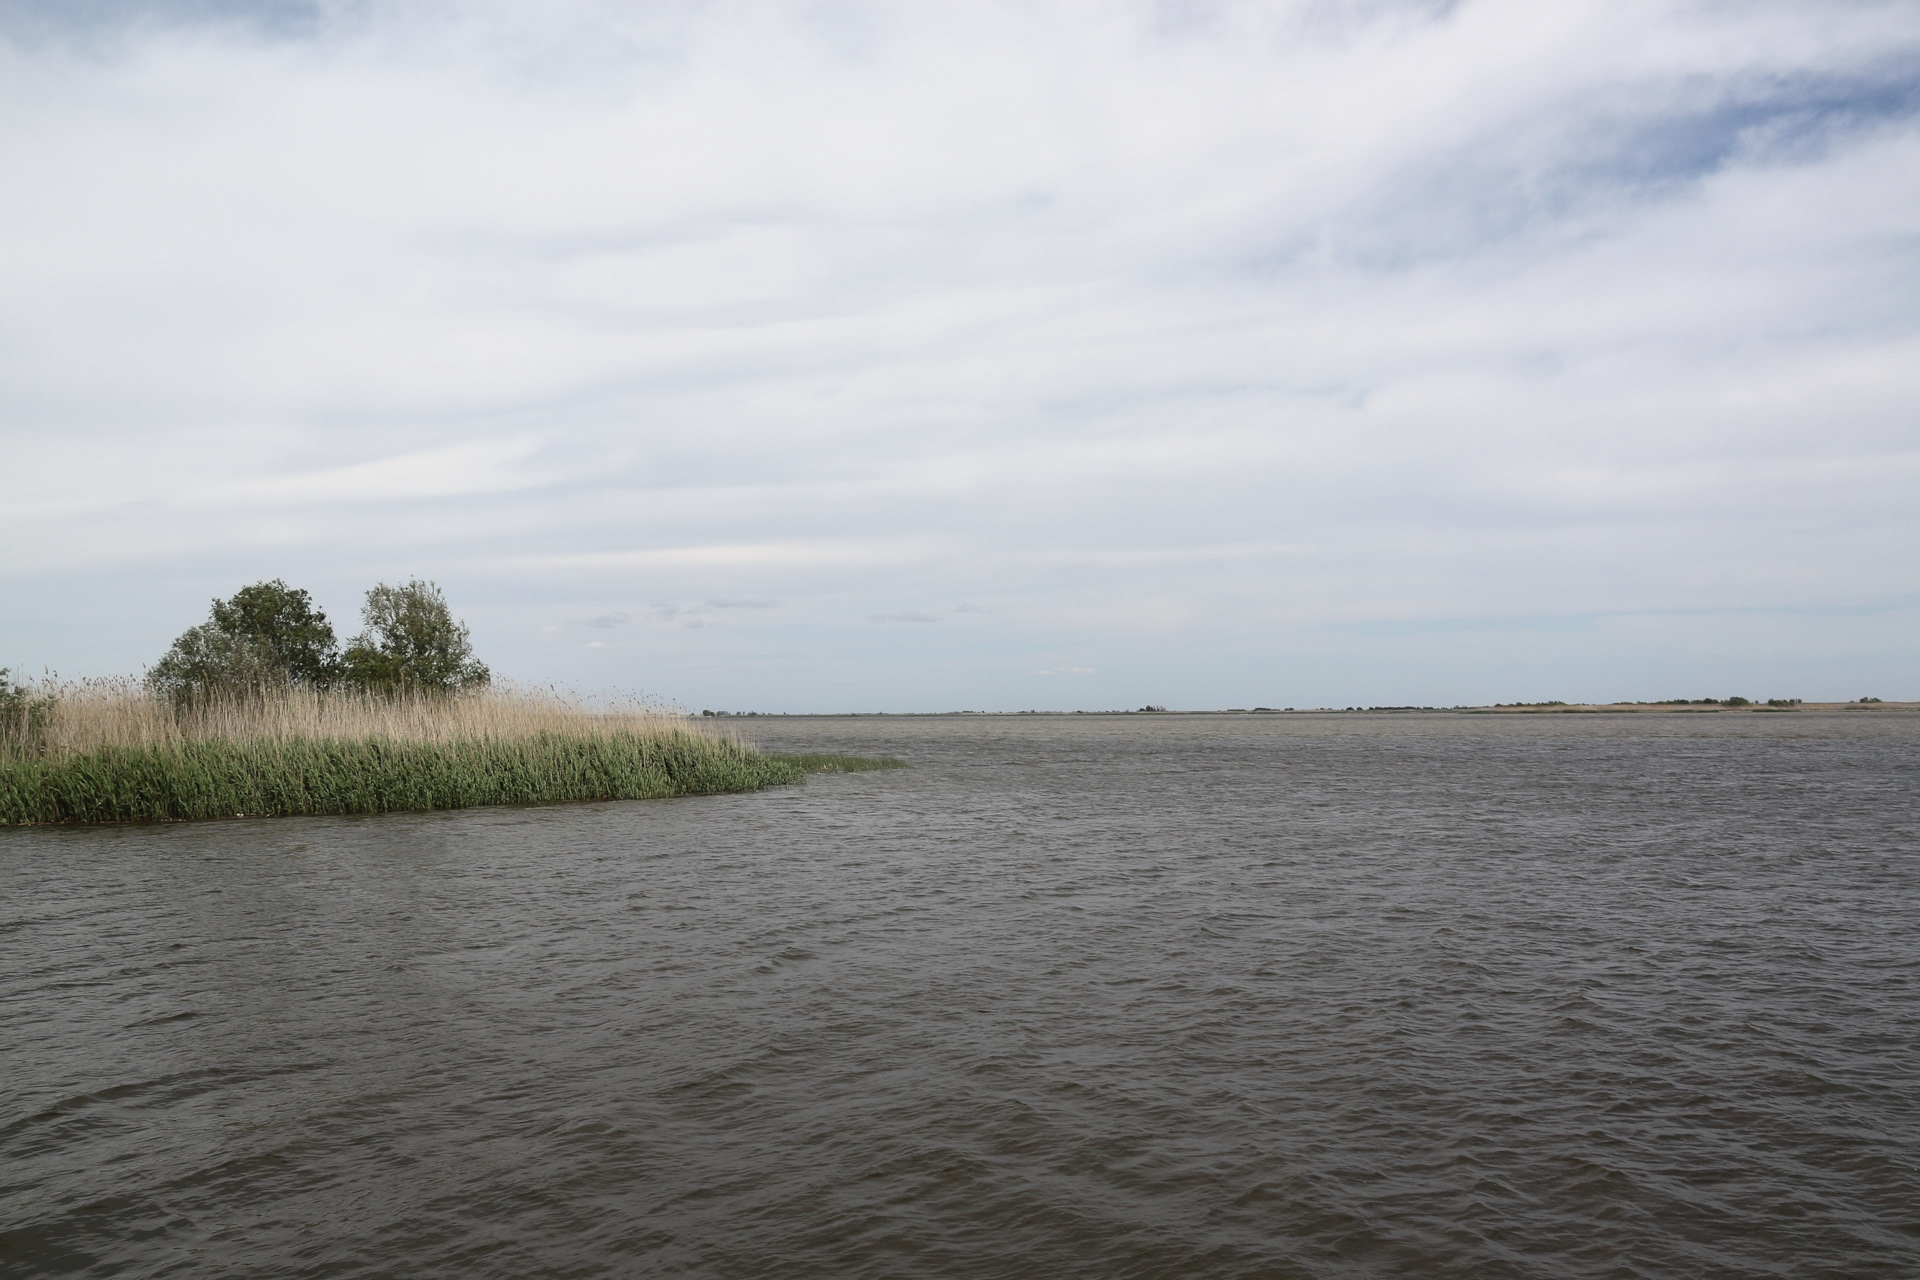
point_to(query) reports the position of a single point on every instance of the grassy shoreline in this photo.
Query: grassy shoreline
(113, 754)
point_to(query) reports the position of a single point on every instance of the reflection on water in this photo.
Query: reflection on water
(1181, 997)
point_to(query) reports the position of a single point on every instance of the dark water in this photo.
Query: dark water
(1180, 997)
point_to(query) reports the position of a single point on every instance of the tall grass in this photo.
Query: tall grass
(88, 714)
(111, 751)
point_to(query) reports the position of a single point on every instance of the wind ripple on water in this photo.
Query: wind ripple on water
(1277, 996)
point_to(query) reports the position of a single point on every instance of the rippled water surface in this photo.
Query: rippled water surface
(1269, 996)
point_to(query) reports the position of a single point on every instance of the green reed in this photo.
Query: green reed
(825, 762)
(214, 778)
(115, 751)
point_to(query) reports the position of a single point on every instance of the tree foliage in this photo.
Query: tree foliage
(412, 641)
(283, 620)
(207, 660)
(268, 634)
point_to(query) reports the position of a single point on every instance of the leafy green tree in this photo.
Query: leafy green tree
(267, 635)
(412, 641)
(206, 660)
(282, 620)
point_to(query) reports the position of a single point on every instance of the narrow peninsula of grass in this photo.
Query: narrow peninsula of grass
(817, 762)
(115, 754)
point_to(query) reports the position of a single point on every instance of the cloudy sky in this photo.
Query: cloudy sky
(882, 356)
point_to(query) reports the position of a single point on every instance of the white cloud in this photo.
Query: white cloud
(1190, 338)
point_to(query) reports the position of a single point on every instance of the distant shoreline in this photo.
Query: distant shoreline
(1496, 709)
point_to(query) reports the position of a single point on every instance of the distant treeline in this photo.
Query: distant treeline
(1667, 702)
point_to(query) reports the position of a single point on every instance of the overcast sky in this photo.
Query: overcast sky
(888, 356)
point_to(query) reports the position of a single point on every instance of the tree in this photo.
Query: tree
(282, 619)
(412, 641)
(206, 660)
(268, 635)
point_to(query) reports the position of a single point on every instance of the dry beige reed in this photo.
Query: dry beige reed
(86, 715)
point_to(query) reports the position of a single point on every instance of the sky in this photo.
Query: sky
(841, 356)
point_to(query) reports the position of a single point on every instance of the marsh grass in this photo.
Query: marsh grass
(819, 762)
(112, 751)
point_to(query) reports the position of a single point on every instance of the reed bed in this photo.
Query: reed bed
(112, 751)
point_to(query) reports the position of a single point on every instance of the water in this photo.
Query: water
(1330, 996)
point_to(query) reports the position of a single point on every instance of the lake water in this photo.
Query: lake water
(1184, 996)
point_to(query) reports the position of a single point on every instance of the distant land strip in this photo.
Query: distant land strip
(1677, 706)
